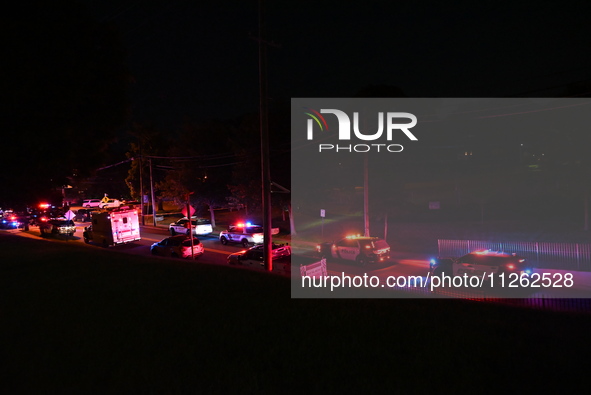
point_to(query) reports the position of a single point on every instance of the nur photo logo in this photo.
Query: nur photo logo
(388, 122)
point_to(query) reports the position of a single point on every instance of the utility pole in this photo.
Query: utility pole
(152, 192)
(586, 210)
(190, 223)
(142, 187)
(265, 166)
(365, 196)
(292, 229)
(365, 184)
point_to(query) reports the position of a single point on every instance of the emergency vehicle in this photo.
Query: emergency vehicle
(359, 249)
(201, 226)
(109, 228)
(11, 221)
(56, 226)
(481, 263)
(245, 234)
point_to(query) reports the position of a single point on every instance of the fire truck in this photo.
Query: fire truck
(113, 227)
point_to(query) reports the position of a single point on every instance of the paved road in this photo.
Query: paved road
(401, 264)
(215, 252)
(408, 265)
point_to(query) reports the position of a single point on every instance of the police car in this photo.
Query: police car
(201, 226)
(481, 263)
(359, 249)
(246, 234)
(10, 221)
(57, 226)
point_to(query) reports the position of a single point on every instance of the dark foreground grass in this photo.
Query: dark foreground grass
(80, 320)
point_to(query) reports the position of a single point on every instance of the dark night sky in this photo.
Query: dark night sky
(198, 59)
(65, 88)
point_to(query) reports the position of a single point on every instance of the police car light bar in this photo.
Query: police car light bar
(242, 224)
(353, 236)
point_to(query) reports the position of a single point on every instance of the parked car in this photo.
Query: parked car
(90, 203)
(177, 247)
(131, 203)
(201, 226)
(111, 203)
(83, 215)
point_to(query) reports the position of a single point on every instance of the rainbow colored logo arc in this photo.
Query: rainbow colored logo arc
(315, 115)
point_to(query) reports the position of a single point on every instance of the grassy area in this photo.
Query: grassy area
(80, 320)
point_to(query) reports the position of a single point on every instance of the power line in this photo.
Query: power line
(115, 164)
(195, 157)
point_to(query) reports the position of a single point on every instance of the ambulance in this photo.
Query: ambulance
(113, 227)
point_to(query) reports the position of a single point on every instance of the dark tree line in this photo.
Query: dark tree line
(213, 163)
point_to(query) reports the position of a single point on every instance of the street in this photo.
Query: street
(215, 252)
(413, 265)
(401, 265)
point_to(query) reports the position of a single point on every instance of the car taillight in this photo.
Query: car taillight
(511, 266)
